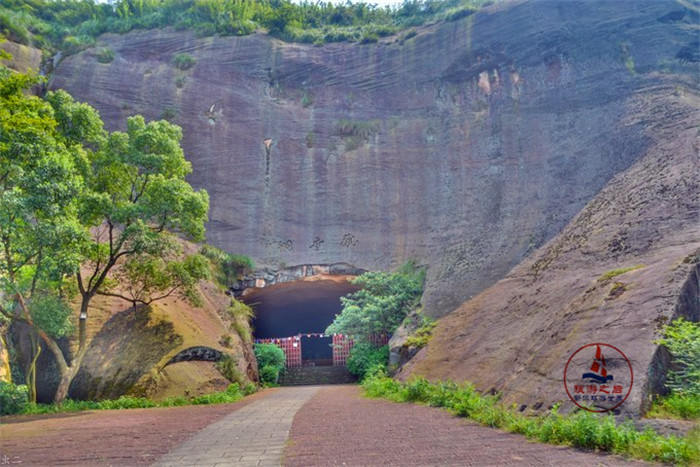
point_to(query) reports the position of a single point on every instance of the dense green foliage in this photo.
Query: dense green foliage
(678, 406)
(381, 305)
(227, 267)
(682, 338)
(82, 210)
(581, 429)
(183, 61)
(364, 356)
(421, 336)
(271, 361)
(233, 393)
(74, 25)
(13, 398)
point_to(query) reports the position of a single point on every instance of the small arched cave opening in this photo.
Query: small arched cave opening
(300, 310)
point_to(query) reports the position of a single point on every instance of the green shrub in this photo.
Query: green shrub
(105, 55)
(271, 361)
(364, 356)
(228, 367)
(227, 267)
(682, 338)
(232, 393)
(381, 305)
(581, 429)
(680, 406)
(13, 398)
(422, 335)
(369, 38)
(183, 61)
(249, 389)
(269, 374)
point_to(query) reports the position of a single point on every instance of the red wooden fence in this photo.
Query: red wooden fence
(342, 345)
(291, 347)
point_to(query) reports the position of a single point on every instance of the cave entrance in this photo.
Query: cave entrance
(295, 315)
(316, 350)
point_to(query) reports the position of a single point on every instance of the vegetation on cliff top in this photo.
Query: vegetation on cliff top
(73, 25)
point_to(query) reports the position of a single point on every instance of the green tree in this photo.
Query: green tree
(136, 195)
(40, 236)
(381, 305)
(147, 278)
(682, 338)
(271, 361)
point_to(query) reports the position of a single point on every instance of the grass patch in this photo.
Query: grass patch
(617, 272)
(184, 61)
(105, 55)
(423, 334)
(232, 394)
(676, 406)
(580, 429)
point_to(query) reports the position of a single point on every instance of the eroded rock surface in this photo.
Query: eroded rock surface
(516, 336)
(465, 147)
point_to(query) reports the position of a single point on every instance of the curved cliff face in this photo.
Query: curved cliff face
(516, 336)
(466, 147)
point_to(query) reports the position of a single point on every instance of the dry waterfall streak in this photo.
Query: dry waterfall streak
(254, 435)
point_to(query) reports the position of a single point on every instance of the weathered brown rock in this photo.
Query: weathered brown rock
(24, 58)
(130, 350)
(466, 147)
(517, 336)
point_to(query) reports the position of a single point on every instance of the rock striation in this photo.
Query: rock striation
(627, 264)
(522, 153)
(465, 147)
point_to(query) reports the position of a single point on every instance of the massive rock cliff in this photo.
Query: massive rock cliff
(628, 263)
(554, 140)
(466, 147)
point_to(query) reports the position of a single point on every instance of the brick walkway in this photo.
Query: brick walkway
(254, 435)
(338, 427)
(299, 426)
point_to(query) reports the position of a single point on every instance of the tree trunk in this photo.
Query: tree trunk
(63, 386)
(5, 373)
(68, 372)
(31, 374)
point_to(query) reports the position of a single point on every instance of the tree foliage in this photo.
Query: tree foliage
(82, 207)
(40, 235)
(271, 361)
(381, 305)
(365, 356)
(73, 25)
(682, 338)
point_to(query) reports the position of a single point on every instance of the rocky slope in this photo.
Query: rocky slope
(516, 336)
(466, 147)
(140, 351)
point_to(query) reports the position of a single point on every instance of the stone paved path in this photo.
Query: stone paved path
(330, 425)
(254, 435)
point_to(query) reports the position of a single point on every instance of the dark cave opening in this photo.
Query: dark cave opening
(293, 308)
